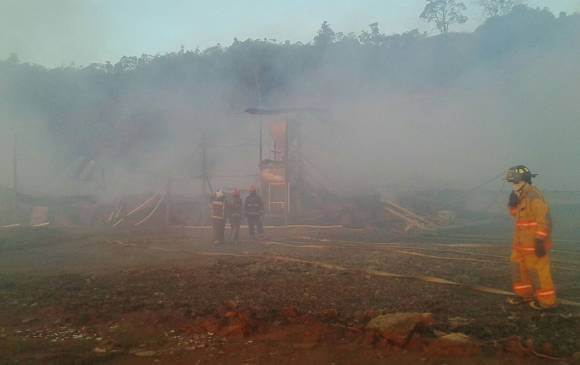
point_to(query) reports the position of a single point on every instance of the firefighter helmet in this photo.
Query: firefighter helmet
(518, 174)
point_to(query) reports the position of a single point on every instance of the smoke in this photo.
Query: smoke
(49, 30)
(497, 112)
(446, 112)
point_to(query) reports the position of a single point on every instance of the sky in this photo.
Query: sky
(62, 32)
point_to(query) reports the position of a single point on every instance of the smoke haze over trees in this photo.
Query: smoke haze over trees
(403, 110)
(493, 8)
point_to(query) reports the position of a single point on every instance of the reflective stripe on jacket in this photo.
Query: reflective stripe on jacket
(217, 209)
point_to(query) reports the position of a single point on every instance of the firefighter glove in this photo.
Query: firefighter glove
(540, 248)
(513, 201)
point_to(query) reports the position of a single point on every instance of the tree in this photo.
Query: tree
(374, 37)
(444, 13)
(493, 8)
(325, 35)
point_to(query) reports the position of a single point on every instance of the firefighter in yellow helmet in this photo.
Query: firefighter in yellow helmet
(532, 279)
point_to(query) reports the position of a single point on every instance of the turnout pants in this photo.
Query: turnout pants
(255, 223)
(235, 229)
(531, 277)
(218, 230)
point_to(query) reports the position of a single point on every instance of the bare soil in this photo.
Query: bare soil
(299, 295)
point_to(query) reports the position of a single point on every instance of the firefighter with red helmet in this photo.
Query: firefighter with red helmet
(254, 210)
(532, 241)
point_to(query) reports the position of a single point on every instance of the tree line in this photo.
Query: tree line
(116, 111)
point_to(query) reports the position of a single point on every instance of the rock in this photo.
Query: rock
(29, 320)
(439, 333)
(330, 314)
(145, 353)
(231, 314)
(456, 322)
(547, 348)
(290, 312)
(514, 345)
(454, 344)
(457, 338)
(236, 328)
(397, 327)
(210, 325)
(232, 303)
(99, 350)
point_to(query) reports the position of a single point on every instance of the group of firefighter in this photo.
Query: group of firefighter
(531, 246)
(231, 209)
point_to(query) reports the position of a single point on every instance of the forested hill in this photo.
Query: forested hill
(506, 92)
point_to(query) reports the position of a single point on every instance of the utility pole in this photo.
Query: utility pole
(261, 132)
(204, 168)
(15, 164)
(168, 204)
(296, 198)
(287, 169)
(259, 97)
(15, 174)
(206, 187)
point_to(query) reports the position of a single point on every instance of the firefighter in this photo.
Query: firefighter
(218, 215)
(532, 279)
(235, 215)
(254, 210)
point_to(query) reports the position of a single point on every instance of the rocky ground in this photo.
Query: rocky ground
(300, 295)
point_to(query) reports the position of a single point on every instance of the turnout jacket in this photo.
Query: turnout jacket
(235, 209)
(253, 205)
(532, 220)
(218, 209)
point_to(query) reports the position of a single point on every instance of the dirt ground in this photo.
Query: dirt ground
(299, 295)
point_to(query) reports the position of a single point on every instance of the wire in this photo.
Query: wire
(234, 176)
(484, 183)
(495, 198)
(239, 145)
